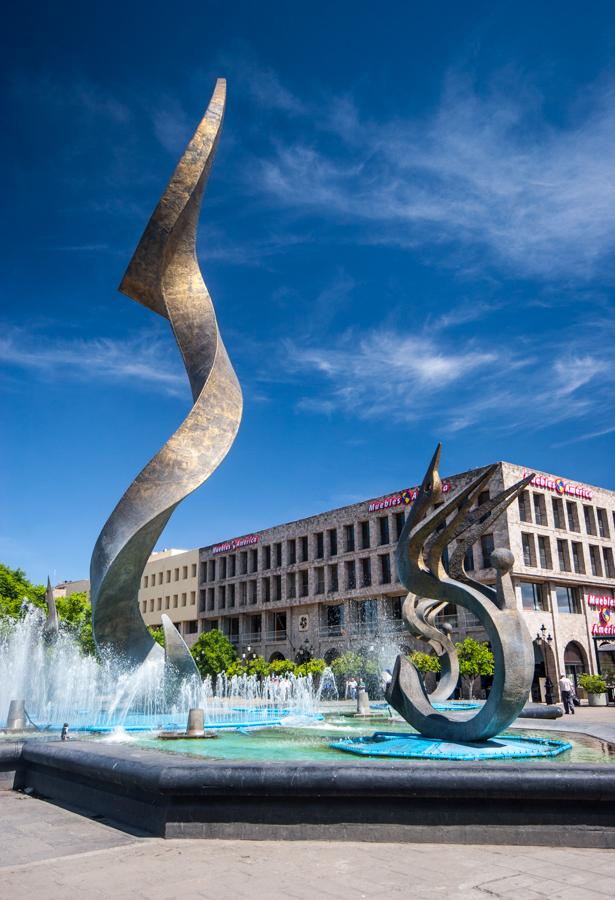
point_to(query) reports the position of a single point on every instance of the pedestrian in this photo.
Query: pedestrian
(64, 734)
(567, 690)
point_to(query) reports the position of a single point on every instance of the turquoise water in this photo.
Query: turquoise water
(310, 744)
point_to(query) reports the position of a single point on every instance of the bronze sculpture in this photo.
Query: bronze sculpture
(164, 276)
(422, 542)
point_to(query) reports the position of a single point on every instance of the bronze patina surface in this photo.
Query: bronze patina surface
(429, 528)
(164, 276)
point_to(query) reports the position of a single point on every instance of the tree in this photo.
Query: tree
(14, 587)
(314, 667)
(75, 613)
(424, 662)
(255, 666)
(282, 667)
(157, 633)
(213, 653)
(475, 659)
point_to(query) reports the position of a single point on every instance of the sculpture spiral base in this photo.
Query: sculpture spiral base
(387, 745)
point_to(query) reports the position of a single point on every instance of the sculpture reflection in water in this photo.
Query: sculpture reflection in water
(431, 526)
(164, 276)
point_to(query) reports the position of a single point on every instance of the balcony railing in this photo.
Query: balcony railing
(276, 636)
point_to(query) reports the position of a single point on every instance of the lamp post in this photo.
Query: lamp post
(547, 639)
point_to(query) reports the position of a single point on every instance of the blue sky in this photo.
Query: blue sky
(408, 235)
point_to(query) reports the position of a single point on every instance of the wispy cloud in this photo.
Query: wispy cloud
(486, 173)
(134, 362)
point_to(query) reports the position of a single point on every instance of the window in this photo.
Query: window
(204, 571)
(558, 512)
(524, 507)
(319, 572)
(184, 599)
(351, 575)
(221, 597)
(540, 510)
(385, 568)
(349, 538)
(364, 526)
(577, 558)
(232, 566)
(487, 547)
(366, 572)
(144, 606)
(279, 626)
(544, 552)
(608, 562)
(184, 571)
(529, 553)
(168, 576)
(212, 569)
(254, 560)
(193, 570)
(567, 600)
(145, 581)
(267, 557)
(266, 589)
(333, 579)
(255, 626)
(383, 527)
(533, 596)
(151, 605)
(167, 602)
(231, 596)
(332, 536)
(590, 520)
(222, 567)
(367, 615)
(303, 543)
(175, 574)
(291, 585)
(277, 555)
(595, 561)
(252, 591)
(243, 593)
(160, 577)
(333, 620)
(573, 516)
(192, 598)
(175, 601)
(304, 582)
(603, 523)
(159, 604)
(468, 560)
(399, 524)
(291, 550)
(563, 556)
(192, 627)
(319, 545)
(202, 600)
(210, 599)
(277, 587)
(243, 562)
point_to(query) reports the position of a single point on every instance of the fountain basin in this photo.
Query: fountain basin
(415, 746)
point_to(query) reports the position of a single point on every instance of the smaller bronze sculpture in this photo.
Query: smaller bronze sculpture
(431, 525)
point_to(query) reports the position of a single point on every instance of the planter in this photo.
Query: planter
(597, 699)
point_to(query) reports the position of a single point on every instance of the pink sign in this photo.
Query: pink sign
(402, 499)
(235, 544)
(603, 630)
(604, 600)
(559, 486)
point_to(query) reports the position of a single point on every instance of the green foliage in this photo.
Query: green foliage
(282, 667)
(213, 653)
(354, 665)
(14, 587)
(593, 684)
(157, 633)
(255, 666)
(425, 662)
(475, 659)
(75, 613)
(313, 667)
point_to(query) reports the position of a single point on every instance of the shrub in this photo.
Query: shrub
(424, 662)
(593, 684)
(213, 653)
(282, 667)
(314, 667)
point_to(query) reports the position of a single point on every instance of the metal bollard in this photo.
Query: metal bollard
(16, 720)
(196, 722)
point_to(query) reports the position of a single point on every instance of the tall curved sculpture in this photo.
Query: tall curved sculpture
(164, 276)
(429, 528)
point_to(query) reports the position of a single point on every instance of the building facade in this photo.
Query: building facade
(327, 583)
(169, 584)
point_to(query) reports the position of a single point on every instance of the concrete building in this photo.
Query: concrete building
(169, 584)
(327, 583)
(66, 588)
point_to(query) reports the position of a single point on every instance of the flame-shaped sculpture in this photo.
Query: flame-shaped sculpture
(422, 542)
(164, 275)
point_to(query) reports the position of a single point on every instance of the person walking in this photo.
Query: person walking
(566, 690)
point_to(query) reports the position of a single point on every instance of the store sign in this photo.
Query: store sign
(235, 544)
(559, 486)
(403, 499)
(605, 626)
(603, 601)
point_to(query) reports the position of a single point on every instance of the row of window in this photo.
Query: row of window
(565, 514)
(536, 596)
(570, 556)
(324, 544)
(170, 602)
(165, 577)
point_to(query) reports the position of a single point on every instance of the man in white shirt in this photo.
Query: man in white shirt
(565, 686)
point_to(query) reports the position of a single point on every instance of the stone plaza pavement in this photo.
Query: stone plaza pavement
(47, 851)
